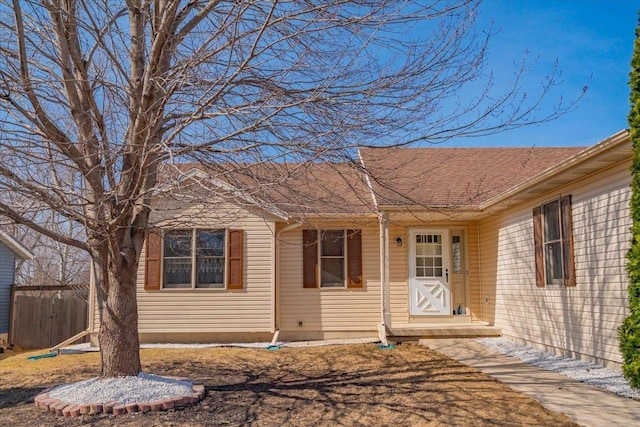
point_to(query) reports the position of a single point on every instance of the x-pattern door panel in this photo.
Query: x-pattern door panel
(429, 273)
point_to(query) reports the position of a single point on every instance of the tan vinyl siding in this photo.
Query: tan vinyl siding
(398, 275)
(329, 309)
(581, 321)
(473, 268)
(197, 311)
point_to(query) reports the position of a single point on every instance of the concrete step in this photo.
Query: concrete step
(447, 331)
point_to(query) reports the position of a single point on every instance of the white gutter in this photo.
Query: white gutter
(586, 154)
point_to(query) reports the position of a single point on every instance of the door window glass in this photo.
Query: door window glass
(429, 255)
(456, 252)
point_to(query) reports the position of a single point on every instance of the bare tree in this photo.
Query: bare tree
(95, 95)
(54, 263)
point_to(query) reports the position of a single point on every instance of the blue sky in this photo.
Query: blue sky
(592, 40)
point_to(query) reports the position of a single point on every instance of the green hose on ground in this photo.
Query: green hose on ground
(43, 356)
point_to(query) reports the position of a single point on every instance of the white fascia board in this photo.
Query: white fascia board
(15, 246)
(587, 154)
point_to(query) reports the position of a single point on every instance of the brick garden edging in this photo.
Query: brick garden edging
(58, 407)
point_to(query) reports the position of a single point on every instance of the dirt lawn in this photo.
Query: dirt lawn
(355, 385)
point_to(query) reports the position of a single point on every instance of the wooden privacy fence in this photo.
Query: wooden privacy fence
(43, 316)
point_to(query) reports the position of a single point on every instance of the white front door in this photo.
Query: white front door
(429, 292)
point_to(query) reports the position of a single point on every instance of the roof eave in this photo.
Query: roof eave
(333, 215)
(589, 153)
(15, 246)
(200, 175)
(440, 208)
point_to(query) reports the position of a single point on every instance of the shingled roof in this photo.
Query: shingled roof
(297, 189)
(453, 177)
(399, 177)
(304, 189)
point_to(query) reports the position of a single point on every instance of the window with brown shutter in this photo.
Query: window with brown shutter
(567, 242)
(310, 258)
(235, 250)
(332, 258)
(152, 261)
(198, 258)
(537, 241)
(354, 258)
(553, 243)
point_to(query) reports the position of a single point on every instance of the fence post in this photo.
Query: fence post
(12, 301)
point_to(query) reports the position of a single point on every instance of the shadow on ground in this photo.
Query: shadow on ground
(356, 385)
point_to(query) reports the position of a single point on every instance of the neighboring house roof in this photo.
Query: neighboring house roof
(453, 177)
(15, 246)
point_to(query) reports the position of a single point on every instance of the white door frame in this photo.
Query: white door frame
(430, 295)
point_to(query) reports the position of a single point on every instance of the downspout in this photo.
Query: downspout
(276, 303)
(91, 313)
(385, 318)
(482, 296)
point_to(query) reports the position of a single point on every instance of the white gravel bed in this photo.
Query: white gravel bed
(143, 388)
(589, 373)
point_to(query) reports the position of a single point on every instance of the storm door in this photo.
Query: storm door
(429, 292)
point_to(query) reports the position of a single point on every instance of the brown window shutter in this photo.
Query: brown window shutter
(354, 258)
(152, 261)
(538, 246)
(310, 258)
(235, 251)
(568, 266)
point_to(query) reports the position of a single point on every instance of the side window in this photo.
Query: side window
(553, 243)
(456, 254)
(332, 265)
(332, 258)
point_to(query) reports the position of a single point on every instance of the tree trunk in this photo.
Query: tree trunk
(118, 336)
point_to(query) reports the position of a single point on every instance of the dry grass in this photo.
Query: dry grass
(335, 385)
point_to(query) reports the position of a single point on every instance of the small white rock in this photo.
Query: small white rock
(589, 373)
(142, 388)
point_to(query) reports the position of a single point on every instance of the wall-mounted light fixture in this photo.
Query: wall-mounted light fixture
(399, 242)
